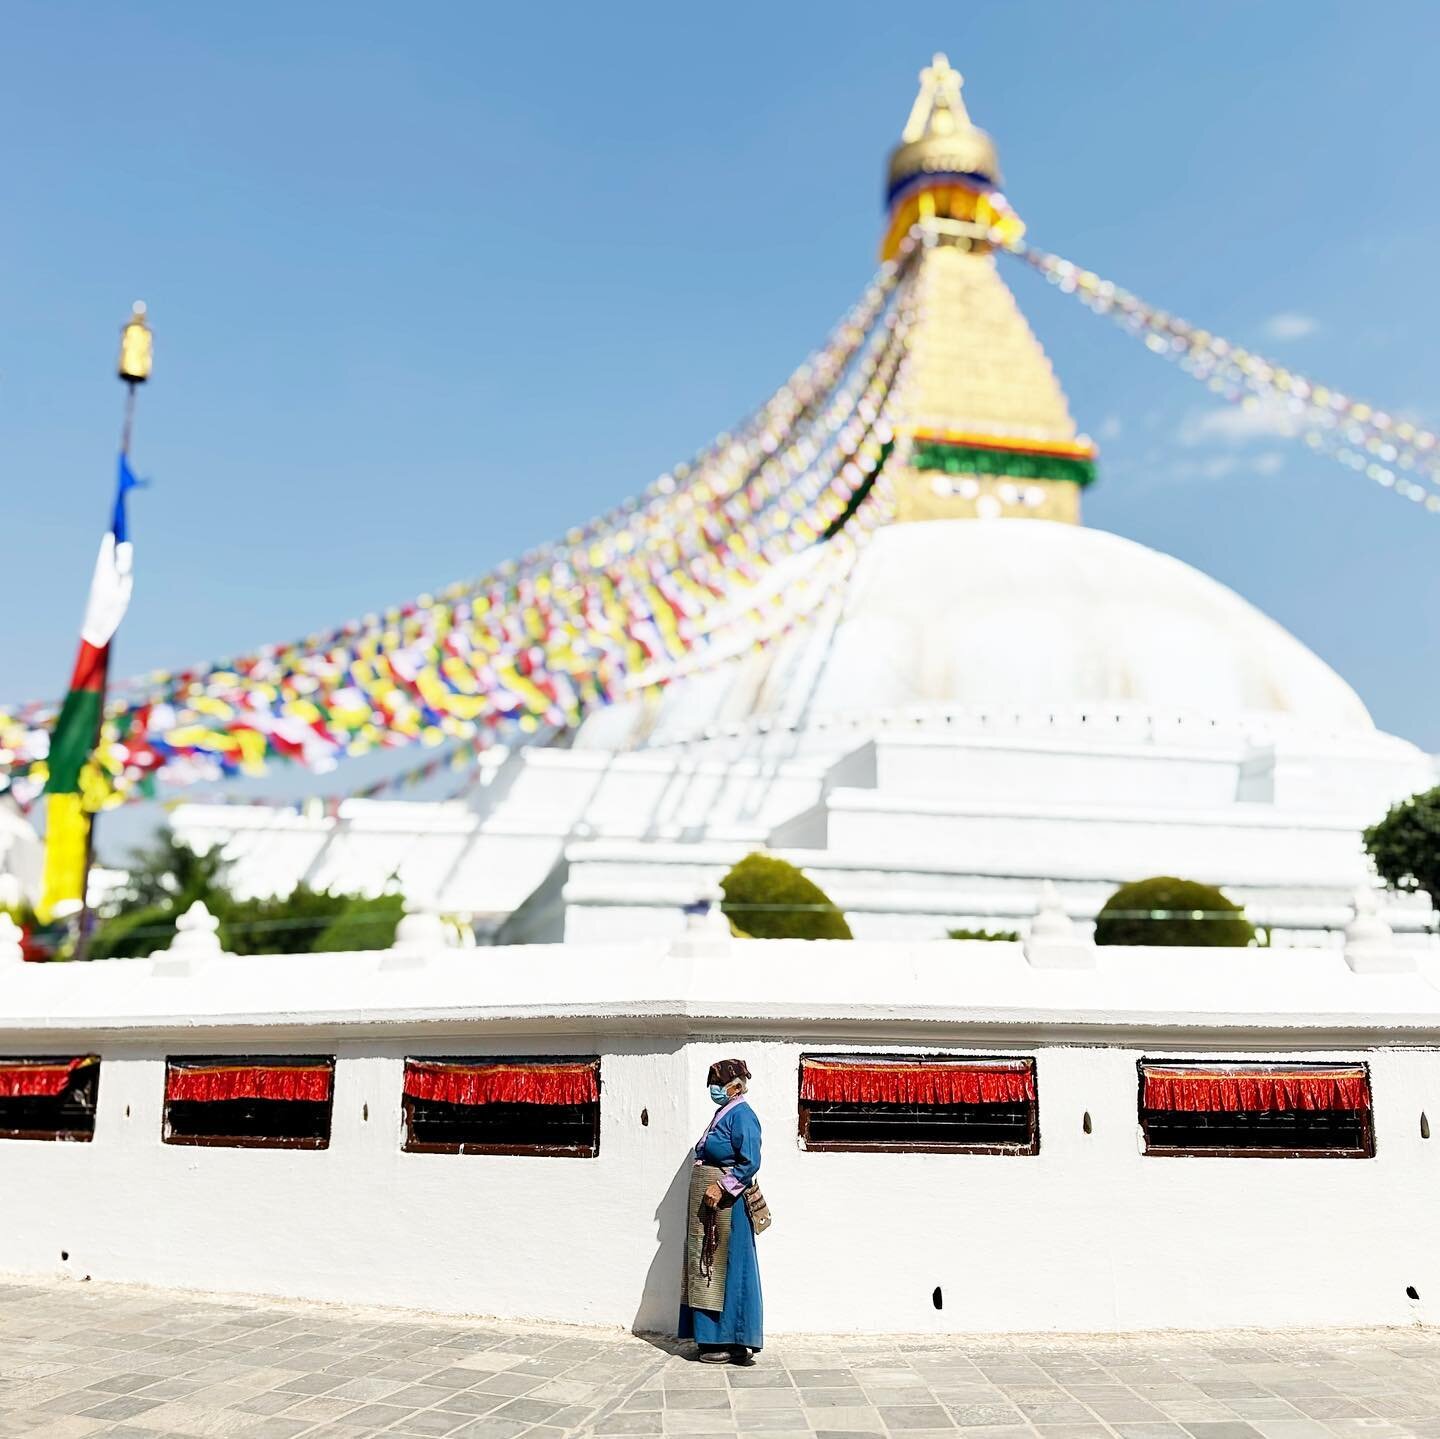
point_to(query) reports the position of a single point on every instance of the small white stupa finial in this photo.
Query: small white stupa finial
(197, 934)
(420, 931)
(1052, 942)
(1051, 922)
(1369, 940)
(707, 931)
(705, 915)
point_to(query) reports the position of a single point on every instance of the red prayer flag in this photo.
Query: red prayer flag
(211, 1083)
(503, 1082)
(1251, 1088)
(927, 1081)
(40, 1078)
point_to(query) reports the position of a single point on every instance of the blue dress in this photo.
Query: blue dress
(733, 1144)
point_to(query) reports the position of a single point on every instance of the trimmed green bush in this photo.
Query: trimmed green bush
(1166, 910)
(766, 898)
(1405, 845)
(363, 924)
(1000, 934)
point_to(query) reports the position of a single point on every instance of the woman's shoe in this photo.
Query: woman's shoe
(742, 1356)
(714, 1356)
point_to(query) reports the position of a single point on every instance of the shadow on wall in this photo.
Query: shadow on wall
(659, 1311)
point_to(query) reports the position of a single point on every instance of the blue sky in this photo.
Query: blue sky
(430, 284)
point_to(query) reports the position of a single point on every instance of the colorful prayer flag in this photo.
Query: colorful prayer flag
(67, 823)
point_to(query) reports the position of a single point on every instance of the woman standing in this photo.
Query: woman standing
(721, 1307)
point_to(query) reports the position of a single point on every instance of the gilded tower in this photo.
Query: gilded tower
(986, 431)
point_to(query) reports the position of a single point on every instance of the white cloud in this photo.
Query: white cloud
(1110, 427)
(1289, 325)
(1223, 465)
(1238, 425)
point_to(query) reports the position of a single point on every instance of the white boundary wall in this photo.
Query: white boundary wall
(1087, 1235)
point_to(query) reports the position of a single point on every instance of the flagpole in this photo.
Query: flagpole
(136, 356)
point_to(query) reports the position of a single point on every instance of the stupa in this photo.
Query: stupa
(996, 698)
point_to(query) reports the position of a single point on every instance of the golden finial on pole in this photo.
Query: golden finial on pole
(137, 347)
(137, 355)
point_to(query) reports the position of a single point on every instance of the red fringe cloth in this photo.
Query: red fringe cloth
(1206, 1090)
(503, 1083)
(212, 1083)
(44, 1078)
(930, 1081)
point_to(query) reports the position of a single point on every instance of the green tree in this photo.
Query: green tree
(768, 899)
(134, 933)
(1405, 845)
(364, 923)
(171, 872)
(1166, 910)
(280, 924)
(169, 876)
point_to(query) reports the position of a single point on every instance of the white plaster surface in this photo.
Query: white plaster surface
(1087, 1235)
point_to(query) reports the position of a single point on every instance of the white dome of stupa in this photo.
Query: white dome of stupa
(1014, 617)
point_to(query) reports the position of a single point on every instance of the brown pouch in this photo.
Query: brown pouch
(756, 1207)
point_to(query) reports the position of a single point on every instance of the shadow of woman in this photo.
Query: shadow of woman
(659, 1312)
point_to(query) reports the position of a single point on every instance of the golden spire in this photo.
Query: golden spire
(984, 424)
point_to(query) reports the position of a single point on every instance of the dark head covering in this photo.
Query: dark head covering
(727, 1071)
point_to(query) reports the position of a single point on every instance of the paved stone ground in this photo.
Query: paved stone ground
(82, 1359)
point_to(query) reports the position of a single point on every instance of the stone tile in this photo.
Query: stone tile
(510, 1383)
(980, 1416)
(697, 1399)
(277, 1427)
(773, 1421)
(310, 1383)
(433, 1422)
(271, 1403)
(380, 1416)
(456, 1377)
(488, 1428)
(122, 1406)
(419, 1396)
(1051, 1412)
(126, 1383)
(747, 1400)
(916, 1416)
(619, 1424)
(1113, 1410)
(1234, 1430)
(319, 1408)
(821, 1378)
(830, 1398)
(359, 1390)
(573, 1417)
(700, 1421)
(855, 1418)
(529, 1411)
